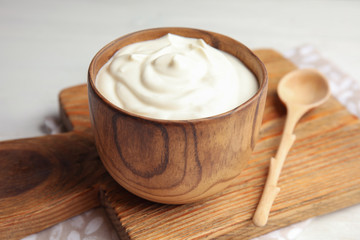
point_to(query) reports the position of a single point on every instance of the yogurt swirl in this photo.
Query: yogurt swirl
(175, 78)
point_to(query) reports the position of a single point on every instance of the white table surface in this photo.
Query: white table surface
(46, 46)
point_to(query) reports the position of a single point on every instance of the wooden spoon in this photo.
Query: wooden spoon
(300, 90)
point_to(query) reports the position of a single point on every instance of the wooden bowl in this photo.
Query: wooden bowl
(176, 161)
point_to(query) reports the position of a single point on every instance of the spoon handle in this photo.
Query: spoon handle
(271, 190)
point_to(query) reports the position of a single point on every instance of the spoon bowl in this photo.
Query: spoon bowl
(304, 87)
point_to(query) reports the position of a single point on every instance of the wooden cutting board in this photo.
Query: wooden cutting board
(48, 179)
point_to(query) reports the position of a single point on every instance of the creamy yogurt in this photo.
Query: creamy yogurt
(175, 78)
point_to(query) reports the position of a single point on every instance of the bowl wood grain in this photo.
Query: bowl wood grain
(176, 161)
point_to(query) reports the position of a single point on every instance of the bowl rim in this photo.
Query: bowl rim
(91, 79)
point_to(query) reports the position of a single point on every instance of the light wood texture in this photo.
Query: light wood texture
(176, 161)
(300, 90)
(321, 175)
